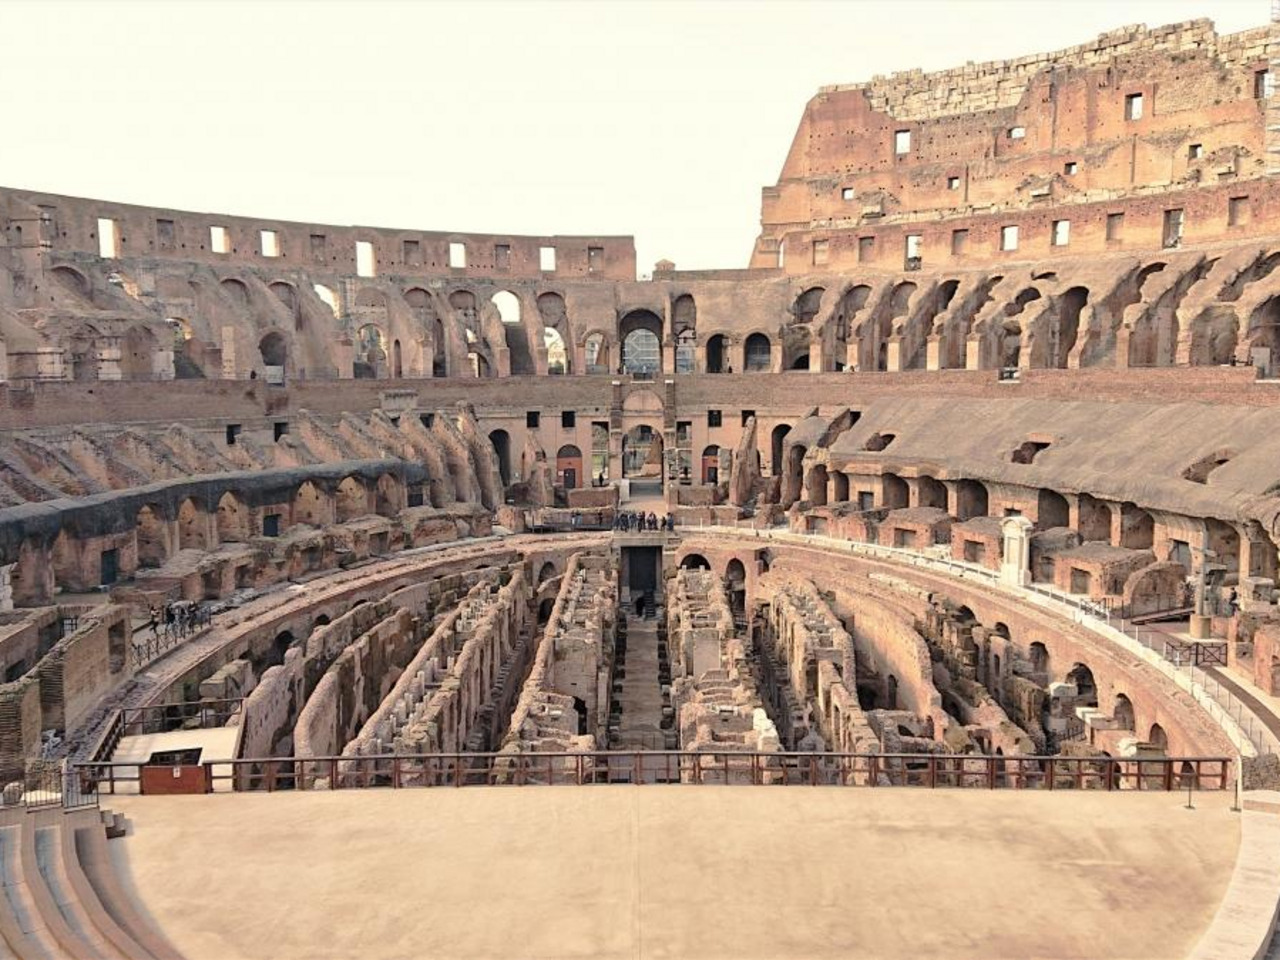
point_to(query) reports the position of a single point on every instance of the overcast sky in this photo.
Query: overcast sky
(658, 119)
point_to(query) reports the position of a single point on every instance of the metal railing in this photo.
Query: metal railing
(928, 770)
(1093, 614)
(51, 784)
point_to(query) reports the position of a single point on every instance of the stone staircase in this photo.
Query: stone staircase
(61, 895)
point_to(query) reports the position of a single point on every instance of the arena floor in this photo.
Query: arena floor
(683, 872)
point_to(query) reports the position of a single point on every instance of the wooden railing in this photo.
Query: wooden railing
(641, 767)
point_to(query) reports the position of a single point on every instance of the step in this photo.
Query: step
(121, 944)
(95, 860)
(86, 940)
(21, 924)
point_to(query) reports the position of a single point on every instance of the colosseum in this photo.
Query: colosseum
(945, 531)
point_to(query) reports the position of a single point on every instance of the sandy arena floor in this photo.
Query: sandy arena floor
(679, 872)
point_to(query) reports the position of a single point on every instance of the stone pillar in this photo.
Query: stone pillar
(1015, 564)
(668, 356)
(933, 352)
(229, 353)
(893, 354)
(973, 353)
(913, 491)
(6, 588)
(851, 355)
(815, 355)
(1123, 336)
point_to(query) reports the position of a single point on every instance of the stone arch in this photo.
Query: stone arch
(1264, 333)
(309, 504)
(1081, 677)
(895, 492)
(152, 536)
(557, 353)
(500, 440)
(273, 350)
(807, 304)
(816, 492)
(642, 448)
(371, 298)
(569, 467)
(1137, 527)
(1065, 328)
(508, 306)
(286, 293)
(735, 583)
(840, 487)
(641, 334)
(777, 440)
(327, 296)
(684, 314)
(1094, 518)
(191, 527)
(694, 561)
(932, 492)
(757, 354)
(352, 500)
(1122, 712)
(710, 466)
(546, 572)
(1157, 738)
(370, 360)
(235, 291)
(795, 348)
(1052, 510)
(232, 519)
(972, 499)
(73, 281)
(718, 354)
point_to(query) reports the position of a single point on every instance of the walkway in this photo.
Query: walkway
(641, 696)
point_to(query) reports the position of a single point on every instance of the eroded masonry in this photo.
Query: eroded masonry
(968, 480)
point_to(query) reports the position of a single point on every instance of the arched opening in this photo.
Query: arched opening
(1052, 510)
(501, 442)
(557, 354)
(684, 322)
(757, 354)
(545, 609)
(352, 501)
(1039, 655)
(1264, 337)
(236, 291)
(232, 519)
(694, 561)
(1158, 739)
(397, 360)
(776, 442)
(735, 577)
(793, 480)
(1066, 326)
(273, 350)
(932, 493)
(151, 539)
(1122, 712)
(806, 305)
(840, 487)
(308, 505)
(895, 492)
(817, 492)
(1094, 519)
(686, 352)
(641, 332)
(1081, 677)
(972, 499)
(370, 361)
(439, 350)
(508, 305)
(642, 453)
(717, 354)
(286, 294)
(547, 572)
(569, 467)
(463, 303)
(580, 708)
(711, 464)
(1137, 528)
(191, 527)
(279, 647)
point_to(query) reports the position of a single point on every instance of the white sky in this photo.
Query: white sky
(657, 119)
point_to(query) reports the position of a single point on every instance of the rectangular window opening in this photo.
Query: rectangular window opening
(1195, 151)
(1115, 225)
(269, 243)
(412, 253)
(953, 183)
(1017, 133)
(233, 431)
(1173, 223)
(866, 249)
(713, 418)
(1237, 211)
(279, 429)
(901, 142)
(532, 418)
(847, 193)
(501, 256)
(108, 237)
(366, 265)
(959, 242)
(568, 419)
(595, 259)
(165, 236)
(219, 240)
(821, 251)
(1133, 106)
(1061, 233)
(547, 259)
(317, 246)
(457, 255)
(1009, 238)
(1070, 168)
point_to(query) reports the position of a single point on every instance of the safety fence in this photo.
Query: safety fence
(684, 767)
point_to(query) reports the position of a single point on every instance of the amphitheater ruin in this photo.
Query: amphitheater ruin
(946, 532)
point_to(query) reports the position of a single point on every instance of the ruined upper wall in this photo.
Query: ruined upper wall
(40, 221)
(975, 87)
(1136, 119)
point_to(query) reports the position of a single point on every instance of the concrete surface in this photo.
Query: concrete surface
(681, 872)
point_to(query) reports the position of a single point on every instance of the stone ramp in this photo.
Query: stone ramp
(59, 895)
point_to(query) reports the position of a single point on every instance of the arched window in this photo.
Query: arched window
(641, 352)
(557, 355)
(757, 353)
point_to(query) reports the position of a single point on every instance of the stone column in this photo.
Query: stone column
(1015, 564)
